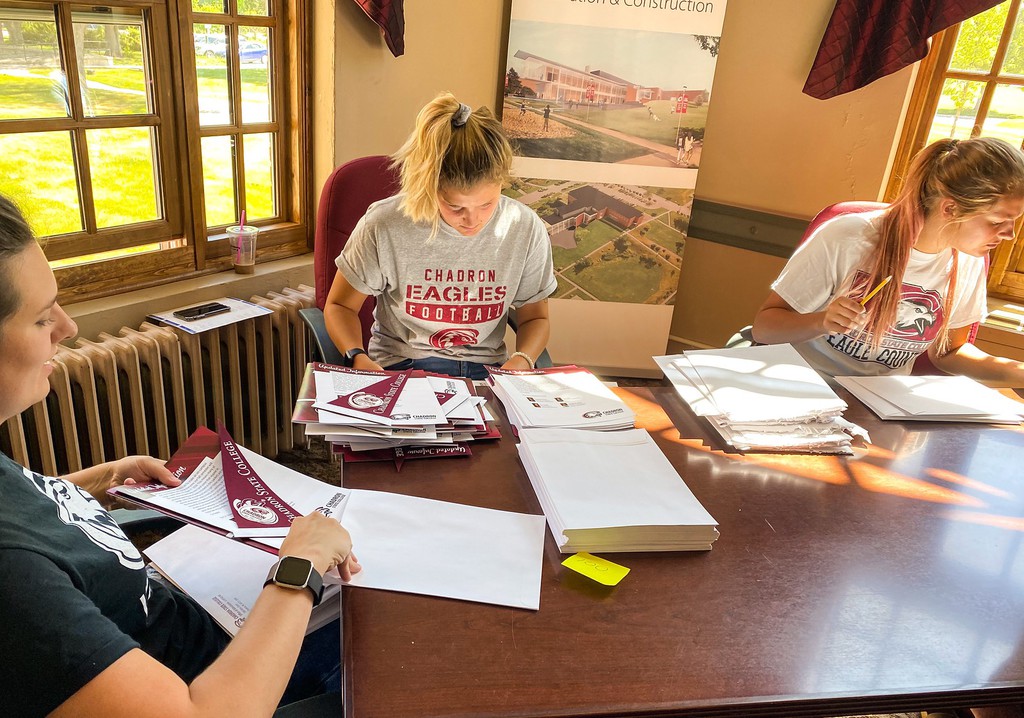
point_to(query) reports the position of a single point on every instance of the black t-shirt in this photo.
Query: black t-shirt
(75, 597)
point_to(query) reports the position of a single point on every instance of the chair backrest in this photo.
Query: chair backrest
(347, 193)
(837, 209)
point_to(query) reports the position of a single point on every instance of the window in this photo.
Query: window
(133, 135)
(972, 83)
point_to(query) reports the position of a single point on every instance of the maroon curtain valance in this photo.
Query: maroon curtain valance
(390, 16)
(869, 39)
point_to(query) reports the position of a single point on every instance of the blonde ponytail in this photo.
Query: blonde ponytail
(450, 147)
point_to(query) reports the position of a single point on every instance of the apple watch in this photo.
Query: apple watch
(352, 353)
(297, 573)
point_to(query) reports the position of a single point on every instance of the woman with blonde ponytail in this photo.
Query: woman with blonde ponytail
(447, 257)
(958, 202)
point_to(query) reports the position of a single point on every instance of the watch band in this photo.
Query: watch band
(352, 353)
(296, 573)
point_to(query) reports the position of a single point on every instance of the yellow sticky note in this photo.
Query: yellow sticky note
(596, 568)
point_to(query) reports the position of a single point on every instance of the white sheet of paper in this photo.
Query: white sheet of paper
(240, 311)
(416, 545)
(225, 577)
(675, 367)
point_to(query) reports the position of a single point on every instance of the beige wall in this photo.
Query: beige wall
(768, 146)
(449, 45)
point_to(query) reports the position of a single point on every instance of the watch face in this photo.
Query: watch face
(293, 571)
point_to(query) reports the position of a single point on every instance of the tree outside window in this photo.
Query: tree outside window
(971, 84)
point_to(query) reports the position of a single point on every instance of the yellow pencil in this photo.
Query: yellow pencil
(875, 291)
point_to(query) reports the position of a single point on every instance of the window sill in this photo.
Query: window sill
(1002, 333)
(109, 314)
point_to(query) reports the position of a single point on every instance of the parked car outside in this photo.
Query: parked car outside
(251, 51)
(213, 45)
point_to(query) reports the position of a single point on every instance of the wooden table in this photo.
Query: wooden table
(890, 581)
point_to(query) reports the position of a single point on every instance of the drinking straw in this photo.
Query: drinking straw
(238, 245)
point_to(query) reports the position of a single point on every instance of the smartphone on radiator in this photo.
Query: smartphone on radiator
(201, 311)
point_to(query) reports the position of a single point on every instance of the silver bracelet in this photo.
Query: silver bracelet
(524, 355)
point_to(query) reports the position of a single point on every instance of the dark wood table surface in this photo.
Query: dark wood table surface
(889, 581)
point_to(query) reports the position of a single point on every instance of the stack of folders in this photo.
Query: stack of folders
(933, 398)
(568, 397)
(612, 492)
(385, 415)
(762, 398)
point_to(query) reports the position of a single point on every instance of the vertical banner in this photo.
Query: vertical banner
(605, 102)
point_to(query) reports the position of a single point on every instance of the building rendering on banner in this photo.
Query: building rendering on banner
(587, 204)
(550, 80)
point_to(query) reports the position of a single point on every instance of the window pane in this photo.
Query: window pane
(211, 43)
(254, 57)
(32, 83)
(1005, 117)
(977, 40)
(113, 70)
(124, 185)
(1013, 63)
(259, 176)
(253, 7)
(219, 180)
(219, 6)
(37, 170)
(958, 106)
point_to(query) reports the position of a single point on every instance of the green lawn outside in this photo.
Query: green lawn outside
(37, 169)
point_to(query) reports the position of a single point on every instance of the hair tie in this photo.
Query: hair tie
(461, 117)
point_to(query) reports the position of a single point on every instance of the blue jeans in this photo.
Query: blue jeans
(318, 668)
(440, 365)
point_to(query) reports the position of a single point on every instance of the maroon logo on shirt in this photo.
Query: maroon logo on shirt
(918, 315)
(453, 337)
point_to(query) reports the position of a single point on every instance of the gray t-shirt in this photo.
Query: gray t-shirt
(446, 295)
(836, 260)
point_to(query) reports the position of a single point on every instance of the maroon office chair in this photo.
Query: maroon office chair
(923, 365)
(346, 195)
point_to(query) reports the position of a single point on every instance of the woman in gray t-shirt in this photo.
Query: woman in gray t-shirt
(446, 258)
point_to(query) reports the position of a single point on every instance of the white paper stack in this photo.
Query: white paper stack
(933, 398)
(568, 397)
(608, 492)
(761, 398)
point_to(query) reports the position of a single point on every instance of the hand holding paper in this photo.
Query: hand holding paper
(323, 541)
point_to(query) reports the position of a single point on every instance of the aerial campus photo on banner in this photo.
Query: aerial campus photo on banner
(606, 112)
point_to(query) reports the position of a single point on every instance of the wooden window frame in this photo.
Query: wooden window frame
(923, 104)
(175, 113)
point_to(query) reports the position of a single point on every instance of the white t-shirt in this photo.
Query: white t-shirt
(835, 261)
(447, 295)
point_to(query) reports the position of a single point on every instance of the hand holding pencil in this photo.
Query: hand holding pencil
(845, 313)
